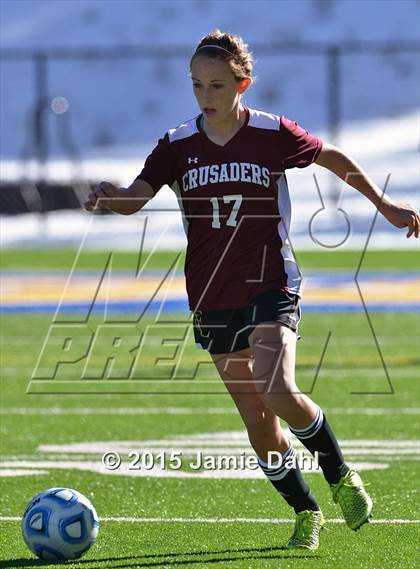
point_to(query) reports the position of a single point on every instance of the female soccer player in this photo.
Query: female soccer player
(226, 167)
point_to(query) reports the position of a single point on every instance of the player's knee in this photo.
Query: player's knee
(258, 421)
(255, 420)
(253, 411)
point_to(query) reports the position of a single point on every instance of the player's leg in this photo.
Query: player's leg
(221, 333)
(273, 365)
(275, 315)
(273, 348)
(265, 434)
(263, 426)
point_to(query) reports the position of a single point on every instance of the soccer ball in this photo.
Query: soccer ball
(59, 524)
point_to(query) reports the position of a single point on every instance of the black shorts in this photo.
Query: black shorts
(226, 331)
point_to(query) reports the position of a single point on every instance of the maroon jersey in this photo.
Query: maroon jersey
(235, 205)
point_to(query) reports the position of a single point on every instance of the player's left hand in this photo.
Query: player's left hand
(402, 215)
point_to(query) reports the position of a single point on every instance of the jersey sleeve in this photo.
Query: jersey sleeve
(299, 148)
(160, 166)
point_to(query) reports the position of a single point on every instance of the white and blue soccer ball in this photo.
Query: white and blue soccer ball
(60, 524)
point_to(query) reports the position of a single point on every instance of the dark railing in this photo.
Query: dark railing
(331, 51)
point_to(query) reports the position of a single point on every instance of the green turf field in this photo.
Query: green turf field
(90, 259)
(371, 398)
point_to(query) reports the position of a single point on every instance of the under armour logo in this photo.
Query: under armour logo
(193, 160)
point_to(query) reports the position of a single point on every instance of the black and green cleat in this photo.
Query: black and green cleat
(305, 535)
(354, 501)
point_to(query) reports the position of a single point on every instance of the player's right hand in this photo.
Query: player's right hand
(102, 196)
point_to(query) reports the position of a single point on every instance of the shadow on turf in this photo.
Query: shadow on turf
(168, 559)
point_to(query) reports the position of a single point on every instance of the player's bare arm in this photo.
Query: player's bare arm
(399, 214)
(120, 200)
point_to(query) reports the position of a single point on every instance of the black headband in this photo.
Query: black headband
(216, 46)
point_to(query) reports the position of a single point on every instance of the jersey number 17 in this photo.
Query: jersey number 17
(231, 220)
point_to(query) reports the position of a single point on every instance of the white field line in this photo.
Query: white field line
(190, 452)
(120, 411)
(373, 411)
(222, 442)
(240, 436)
(208, 450)
(223, 520)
